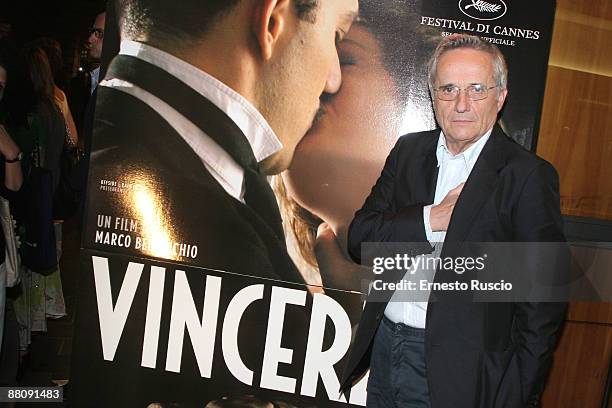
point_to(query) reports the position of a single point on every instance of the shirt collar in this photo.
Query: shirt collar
(253, 125)
(95, 79)
(469, 155)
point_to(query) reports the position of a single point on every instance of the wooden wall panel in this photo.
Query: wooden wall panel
(576, 136)
(590, 312)
(594, 8)
(579, 35)
(580, 367)
(575, 132)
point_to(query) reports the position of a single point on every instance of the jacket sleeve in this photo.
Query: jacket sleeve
(537, 326)
(380, 220)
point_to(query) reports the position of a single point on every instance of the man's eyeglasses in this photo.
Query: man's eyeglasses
(98, 32)
(475, 92)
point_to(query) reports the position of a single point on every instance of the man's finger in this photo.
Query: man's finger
(458, 189)
(327, 248)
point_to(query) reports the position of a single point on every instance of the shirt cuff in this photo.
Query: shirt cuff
(428, 231)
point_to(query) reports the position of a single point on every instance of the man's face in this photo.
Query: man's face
(463, 120)
(307, 68)
(96, 38)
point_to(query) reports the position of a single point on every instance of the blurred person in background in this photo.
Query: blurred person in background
(53, 50)
(10, 172)
(95, 42)
(67, 197)
(36, 119)
(85, 83)
(5, 29)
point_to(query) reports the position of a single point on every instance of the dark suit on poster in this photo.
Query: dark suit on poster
(477, 354)
(133, 140)
(133, 143)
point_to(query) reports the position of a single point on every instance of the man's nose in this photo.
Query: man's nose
(334, 77)
(463, 102)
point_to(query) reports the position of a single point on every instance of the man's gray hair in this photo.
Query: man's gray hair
(462, 41)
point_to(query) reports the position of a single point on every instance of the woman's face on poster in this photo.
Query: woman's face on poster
(340, 158)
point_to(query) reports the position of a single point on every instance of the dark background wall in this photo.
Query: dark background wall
(67, 21)
(61, 19)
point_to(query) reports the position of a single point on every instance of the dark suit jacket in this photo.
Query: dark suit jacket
(79, 95)
(477, 354)
(133, 144)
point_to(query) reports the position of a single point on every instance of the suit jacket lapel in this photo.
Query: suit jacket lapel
(188, 102)
(214, 122)
(478, 187)
(425, 173)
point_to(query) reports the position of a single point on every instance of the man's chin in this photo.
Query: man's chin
(316, 118)
(315, 126)
(312, 130)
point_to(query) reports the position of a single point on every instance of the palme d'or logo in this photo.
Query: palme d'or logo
(483, 9)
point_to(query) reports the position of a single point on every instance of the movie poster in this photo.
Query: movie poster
(187, 298)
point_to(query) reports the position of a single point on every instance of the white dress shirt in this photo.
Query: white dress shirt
(217, 161)
(95, 78)
(452, 171)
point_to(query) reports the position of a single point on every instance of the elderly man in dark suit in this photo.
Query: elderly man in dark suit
(465, 182)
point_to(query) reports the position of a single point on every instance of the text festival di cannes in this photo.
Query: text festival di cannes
(482, 28)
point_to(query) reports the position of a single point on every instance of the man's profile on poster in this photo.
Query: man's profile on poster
(204, 101)
(191, 117)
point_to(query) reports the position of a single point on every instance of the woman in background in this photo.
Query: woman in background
(10, 173)
(36, 120)
(53, 50)
(383, 95)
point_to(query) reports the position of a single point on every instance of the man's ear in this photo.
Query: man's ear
(501, 98)
(270, 19)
